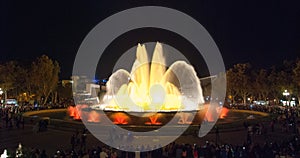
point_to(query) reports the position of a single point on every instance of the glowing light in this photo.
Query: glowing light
(185, 118)
(153, 120)
(71, 111)
(209, 117)
(285, 93)
(211, 113)
(93, 116)
(120, 119)
(77, 112)
(76, 115)
(157, 93)
(4, 155)
(223, 113)
(152, 87)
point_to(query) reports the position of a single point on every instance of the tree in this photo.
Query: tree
(261, 84)
(296, 76)
(65, 91)
(281, 80)
(231, 79)
(45, 77)
(275, 90)
(21, 82)
(239, 81)
(8, 77)
(296, 72)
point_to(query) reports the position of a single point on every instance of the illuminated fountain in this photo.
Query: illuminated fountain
(93, 116)
(154, 120)
(151, 87)
(185, 118)
(74, 112)
(150, 94)
(77, 113)
(223, 113)
(120, 118)
(220, 111)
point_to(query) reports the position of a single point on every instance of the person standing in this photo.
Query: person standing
(272, 125)
(22, 121)
(6, 119)
(43, 154)
(103, 153)
(114, 154)
(83, 141)
(73, 141)
(217, 135)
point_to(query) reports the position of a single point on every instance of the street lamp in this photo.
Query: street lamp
(286, 94)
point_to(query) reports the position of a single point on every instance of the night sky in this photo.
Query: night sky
(263, 33)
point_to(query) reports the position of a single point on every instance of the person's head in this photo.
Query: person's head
(20, 146)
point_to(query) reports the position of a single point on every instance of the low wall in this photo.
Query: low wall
(251, 112)
(72, 125)
(32, 118)
(32, 113)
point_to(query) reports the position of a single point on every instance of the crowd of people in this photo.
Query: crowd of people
(286, 117)
(288, 148)
(12, 116)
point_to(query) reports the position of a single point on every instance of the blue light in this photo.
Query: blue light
(104, 81)
(95, 80)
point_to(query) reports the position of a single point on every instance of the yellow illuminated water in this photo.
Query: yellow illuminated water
(150, 86)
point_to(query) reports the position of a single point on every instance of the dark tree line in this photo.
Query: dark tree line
(37, 80)
(263, 84)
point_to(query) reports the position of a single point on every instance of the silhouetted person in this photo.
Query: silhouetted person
(73, 141)
(217, 134)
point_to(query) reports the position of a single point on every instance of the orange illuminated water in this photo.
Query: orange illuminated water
(120, 118)
(93, 116)
(221, 111)
(77, 113)
(153, 120)
(185, 118)
(74, 113)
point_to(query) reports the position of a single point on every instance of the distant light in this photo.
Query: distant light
(285, 93)
(95, 81)
(104, 80)
(4, 155)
